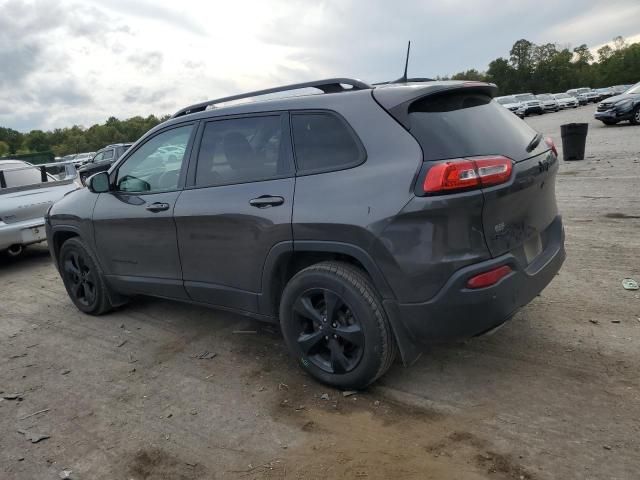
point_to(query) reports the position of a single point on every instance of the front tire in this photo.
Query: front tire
(82, 278)
(335, 326)
(635, 119)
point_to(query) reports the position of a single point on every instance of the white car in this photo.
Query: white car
(565, 100)
(586, 92)
(549, 103)
(26, 193)
(510, 103)
(530, 103)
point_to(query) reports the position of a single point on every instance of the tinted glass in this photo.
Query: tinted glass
(19, 178)
(108, 155)
(465, 124)
(98, 158)
(242, 150)
(323, 141)
(149, 168)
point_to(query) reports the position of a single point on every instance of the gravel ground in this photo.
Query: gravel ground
(553, 394)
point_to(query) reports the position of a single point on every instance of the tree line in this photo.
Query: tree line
(551, 68)
(547, 68)
(76, 139)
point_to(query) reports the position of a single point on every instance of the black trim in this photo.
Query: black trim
(330, 85)
(222, 296)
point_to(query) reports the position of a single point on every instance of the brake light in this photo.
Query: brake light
(489, 278)
(551, 145)
(466, 173)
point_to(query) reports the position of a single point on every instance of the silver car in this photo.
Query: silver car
(565, 100)
(549, 103)
(26, 193)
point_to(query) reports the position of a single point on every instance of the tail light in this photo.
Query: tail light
(467, 173)
(489, 278)
(551, 145)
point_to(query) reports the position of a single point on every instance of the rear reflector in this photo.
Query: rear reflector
(551, 145)
(489, 278)
(466, 173)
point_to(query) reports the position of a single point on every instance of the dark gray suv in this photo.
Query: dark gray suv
(365, 220)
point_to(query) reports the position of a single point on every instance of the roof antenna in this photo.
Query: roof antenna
(403, 79)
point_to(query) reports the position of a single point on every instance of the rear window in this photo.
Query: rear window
(20, 178)
(324, 142)
(463, 124)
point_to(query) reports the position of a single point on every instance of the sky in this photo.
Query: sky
(70, 62)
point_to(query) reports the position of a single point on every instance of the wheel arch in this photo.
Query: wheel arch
(59, 235)
(286, 259)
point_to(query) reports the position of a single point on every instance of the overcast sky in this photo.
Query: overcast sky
(65, 62)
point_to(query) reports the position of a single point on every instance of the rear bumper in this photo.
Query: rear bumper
(458, 312)
(22, 233)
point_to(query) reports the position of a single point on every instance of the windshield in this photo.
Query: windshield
(526, 96)
(583, 90)
(634, 90)
(562, 95)
(506, 100)
(544, 96)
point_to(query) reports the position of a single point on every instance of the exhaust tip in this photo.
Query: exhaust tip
(14, 250)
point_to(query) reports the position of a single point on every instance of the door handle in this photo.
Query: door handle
(266, 201)
(157, 207)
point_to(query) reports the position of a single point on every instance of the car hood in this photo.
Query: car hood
(617, 98)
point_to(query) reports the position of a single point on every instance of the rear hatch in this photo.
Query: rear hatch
(465, 122)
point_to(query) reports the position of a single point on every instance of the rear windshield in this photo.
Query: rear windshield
(22, 177)
(464, 124)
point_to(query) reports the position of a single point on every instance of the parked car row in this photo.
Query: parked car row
(523, 104)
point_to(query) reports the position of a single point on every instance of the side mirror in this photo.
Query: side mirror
(99, 183)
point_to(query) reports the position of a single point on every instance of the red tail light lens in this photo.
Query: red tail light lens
(489, 278)
(466, 173)
(551, 145)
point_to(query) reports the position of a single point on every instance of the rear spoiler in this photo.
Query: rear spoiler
(66, 173)
(397, 98)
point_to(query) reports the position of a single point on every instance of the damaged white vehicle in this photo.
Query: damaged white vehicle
(26, 193)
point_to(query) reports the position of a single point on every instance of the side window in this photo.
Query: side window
(323, 141)
(242, 150)
(150, 168)
(108, 155)
(98, 158)
(21, 177)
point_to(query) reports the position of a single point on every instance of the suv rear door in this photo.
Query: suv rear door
(237, 206)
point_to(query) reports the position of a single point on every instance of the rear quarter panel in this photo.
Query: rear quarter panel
(355, 205)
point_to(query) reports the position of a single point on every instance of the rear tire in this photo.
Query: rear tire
(82, 278)
(335, 326)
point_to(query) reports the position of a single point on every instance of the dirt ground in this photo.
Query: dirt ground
(553, 394)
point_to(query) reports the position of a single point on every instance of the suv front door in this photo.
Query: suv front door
(134, 227)
(237, 205)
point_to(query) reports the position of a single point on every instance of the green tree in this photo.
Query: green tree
(4, 148)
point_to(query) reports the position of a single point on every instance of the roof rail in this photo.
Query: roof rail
(330, 85)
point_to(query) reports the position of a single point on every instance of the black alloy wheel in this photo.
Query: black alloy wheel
(330, 335)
